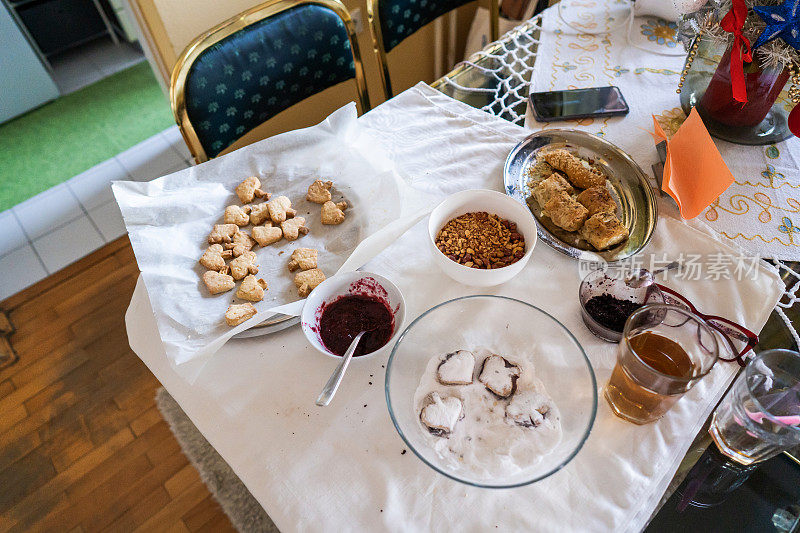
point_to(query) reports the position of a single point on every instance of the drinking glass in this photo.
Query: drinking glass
(759, 417)
(664, 351)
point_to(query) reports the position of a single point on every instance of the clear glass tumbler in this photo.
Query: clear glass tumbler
(664, 351)
(759, 417)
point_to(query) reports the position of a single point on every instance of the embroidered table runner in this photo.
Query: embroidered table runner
(760, 212)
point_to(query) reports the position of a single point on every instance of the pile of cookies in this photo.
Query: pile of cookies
(592, 212)
(229, 256)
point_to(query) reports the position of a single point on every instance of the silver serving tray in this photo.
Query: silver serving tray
(636, 202)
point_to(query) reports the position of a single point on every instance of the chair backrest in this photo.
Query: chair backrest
(392, 21)
(246, 70)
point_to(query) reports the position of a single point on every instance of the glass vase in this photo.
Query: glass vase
(760, 120)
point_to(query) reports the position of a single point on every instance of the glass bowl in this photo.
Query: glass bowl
(612, 282)
(504, 326)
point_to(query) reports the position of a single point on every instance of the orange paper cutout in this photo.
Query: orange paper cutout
(694, 173)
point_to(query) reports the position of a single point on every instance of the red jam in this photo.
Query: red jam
(345, 318)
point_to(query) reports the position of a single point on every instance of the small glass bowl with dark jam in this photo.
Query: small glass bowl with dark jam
(346, 304)
(608, 299)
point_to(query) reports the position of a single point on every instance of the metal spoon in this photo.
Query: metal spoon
(643, 277)
(330, 387)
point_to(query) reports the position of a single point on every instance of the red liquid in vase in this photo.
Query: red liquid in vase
(763, 88)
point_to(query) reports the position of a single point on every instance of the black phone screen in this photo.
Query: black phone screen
(578, 103)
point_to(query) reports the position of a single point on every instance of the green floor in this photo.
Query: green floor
(49, 145)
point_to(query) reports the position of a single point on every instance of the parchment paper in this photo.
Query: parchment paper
(169, 219)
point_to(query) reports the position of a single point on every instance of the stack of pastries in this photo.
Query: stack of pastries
(580, 202)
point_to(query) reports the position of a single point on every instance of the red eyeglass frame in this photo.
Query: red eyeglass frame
(745, 335)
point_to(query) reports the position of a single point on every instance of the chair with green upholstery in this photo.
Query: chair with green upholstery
(392, 21)
(251, 67)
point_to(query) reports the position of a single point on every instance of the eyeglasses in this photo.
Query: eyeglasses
(740, 339)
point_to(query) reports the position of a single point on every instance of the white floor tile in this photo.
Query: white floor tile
(20, 269)
(11, 234)
(149, 159)
(108, 220)
(175, 139)
(93, 187)
(47, 210)
(68, 244)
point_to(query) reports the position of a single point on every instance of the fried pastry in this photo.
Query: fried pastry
(565, 212)
(578, 171)
(604, 230)
(545, 189)
(597, 200)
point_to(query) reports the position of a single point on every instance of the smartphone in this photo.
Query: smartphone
(578, 103)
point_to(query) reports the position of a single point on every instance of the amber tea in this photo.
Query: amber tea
(661, 356)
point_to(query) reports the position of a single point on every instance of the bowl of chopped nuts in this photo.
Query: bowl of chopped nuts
(481, 237)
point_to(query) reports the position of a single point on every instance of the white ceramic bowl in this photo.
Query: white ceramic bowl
(350, 283)
(492, 202)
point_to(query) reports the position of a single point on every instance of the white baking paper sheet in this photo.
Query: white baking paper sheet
(169, 219)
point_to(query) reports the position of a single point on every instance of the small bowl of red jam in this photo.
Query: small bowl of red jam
(608, 299)
(344, 305)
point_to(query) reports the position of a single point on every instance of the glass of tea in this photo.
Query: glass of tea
(759, 417)
(664, 351)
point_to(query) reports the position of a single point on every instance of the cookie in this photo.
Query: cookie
(304, 259)
(307, 280)
(217, 282)
(529, 409)
(243, 265)
(280, 208)
(251, 289)
(319, 192)
(249, 189)
(214, 257)
(499, 376)
(440, 415)
(235, 214)
(238, 313)
(332, 213)
(222, 233)
(266, 235)
(457, 368)
(293, 228)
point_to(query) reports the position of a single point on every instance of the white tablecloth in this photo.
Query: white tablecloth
(342, 468)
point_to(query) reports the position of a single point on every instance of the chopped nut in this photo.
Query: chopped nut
(480, 240)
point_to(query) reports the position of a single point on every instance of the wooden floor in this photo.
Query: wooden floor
(82, 445)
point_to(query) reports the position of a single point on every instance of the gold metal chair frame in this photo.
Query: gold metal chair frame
(380, 50)
(221, 31)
